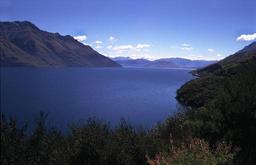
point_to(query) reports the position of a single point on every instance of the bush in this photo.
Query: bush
(93, 142)
(195, 152)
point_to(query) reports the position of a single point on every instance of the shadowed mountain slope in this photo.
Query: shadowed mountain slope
(23, 44)
(222, 103)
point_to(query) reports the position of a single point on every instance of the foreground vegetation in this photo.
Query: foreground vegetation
(95, 142)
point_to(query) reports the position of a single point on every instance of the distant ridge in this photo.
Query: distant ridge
(162, 63)
(24, 44)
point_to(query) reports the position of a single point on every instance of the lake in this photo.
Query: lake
(141, 96)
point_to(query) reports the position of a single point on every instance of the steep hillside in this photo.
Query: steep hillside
(23, 44)
(243, 55)
(198, 92)
(222, 103)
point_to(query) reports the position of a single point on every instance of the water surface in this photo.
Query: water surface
(142, 96)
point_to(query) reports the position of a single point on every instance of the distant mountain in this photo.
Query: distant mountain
(129, 62)
(24, 44)
(162, 63)
(186, 63)
(121, 58)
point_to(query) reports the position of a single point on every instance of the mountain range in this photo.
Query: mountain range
(162, 63)
(24, 44)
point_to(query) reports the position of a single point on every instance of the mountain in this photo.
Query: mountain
(185, 63)
(221, 103)
(211, 77)
(129, 62)
(121, 58)
(24, 44)
(162, 63)
(245, 54)
(249, 49)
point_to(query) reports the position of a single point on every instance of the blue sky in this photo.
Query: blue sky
(195, 29)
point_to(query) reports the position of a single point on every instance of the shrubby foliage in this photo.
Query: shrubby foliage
(229, 113)
(96, 142)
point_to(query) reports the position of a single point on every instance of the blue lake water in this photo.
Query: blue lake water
(142, 96)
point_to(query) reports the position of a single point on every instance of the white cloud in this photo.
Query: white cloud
(112, 39)
(199, 56)
(247, 37)
(80, 38)
(204, 57)
(109, 47)
(98, 47)
(141, 46)
(133, 51)
(210, 50)
(98, 42)
(88, 44)
(187, 48)
(195, 56)
(186, 45)
(138, 55)
(144, 56)
(123, 47)
(138, 47)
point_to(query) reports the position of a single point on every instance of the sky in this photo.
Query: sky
(151, 29)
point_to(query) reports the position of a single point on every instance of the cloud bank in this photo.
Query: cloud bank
(112, 39)
(98, 42)
(247, 37)
(80, 38)
(186, 47)
(137, 47)
(134, 51)
(141, 46)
